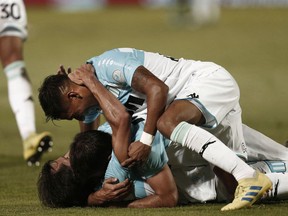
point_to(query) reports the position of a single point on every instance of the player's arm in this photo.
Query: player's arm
(156, 93)
(120, 121)
(166, 194)
(111, 191)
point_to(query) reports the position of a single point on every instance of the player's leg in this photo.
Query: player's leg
(230, 132)
(21, 100)
(270, 156)
(218, 154)
(249, 143)
(276, 171)
(261, 147)
(13, 33)
(279, 190)
(180, 120)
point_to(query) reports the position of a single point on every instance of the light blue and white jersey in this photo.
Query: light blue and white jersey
(155, 163)
(115, 69)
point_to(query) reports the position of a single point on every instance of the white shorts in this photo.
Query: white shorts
(196, 181)
(194, 177)
(13, 19)
(215, 92)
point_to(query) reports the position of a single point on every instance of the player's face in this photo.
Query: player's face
(63, 160)
(76, 104)
(73, 111)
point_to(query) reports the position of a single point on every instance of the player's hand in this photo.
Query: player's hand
(138, 153)
(63, 71)
(82, 75)
(111, 191)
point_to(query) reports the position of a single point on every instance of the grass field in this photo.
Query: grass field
(251, 43)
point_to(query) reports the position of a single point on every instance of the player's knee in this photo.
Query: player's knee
(166, 125)
(10, 57)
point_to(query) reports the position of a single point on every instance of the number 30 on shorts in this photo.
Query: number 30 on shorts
(10, 11)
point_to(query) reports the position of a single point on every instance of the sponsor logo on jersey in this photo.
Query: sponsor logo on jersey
(194, 95)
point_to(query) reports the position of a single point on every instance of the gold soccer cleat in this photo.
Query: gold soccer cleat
(35, 145)
(249, 190)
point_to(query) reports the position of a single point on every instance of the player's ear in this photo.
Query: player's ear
(74, 95)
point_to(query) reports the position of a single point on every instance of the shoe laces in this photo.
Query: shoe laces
(240, 190)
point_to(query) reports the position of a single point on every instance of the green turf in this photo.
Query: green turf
(251, 43)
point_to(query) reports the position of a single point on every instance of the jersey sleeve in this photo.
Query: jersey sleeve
(117, 66)
(105, 127)
(115, 170)
(91, 114)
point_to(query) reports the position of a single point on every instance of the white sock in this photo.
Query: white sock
(276, 171)
(211, 149)
(280, 186)
(20, 98)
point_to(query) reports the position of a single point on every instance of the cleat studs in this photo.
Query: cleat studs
(29, 163)
(37, 163)
(42, 143)
(50, 149)
(39, 149)
(51, 143)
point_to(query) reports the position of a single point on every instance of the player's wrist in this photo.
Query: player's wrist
(146, 138)
(96, 198)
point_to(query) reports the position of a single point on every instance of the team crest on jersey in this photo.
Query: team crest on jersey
(118, 76)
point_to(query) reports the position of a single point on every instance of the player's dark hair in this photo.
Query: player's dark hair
(50, 95)
(59, 189)
(89, 156)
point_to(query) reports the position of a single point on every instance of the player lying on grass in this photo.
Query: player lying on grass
(62, 186)
(195, 177)
(196, 181)
(195, 93)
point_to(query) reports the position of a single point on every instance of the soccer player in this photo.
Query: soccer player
(175, 96)
(13, 32)
(195, 178)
